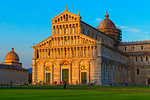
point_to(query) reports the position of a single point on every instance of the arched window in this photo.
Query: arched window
(66, 17)
(61, 18)
(49, 53)
(65, 52)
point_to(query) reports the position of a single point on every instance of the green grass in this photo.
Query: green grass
(143, 88)
(77, 93)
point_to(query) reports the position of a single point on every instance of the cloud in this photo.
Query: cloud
(146, 32)
(147, 38)
(129, 29)
(98, 20)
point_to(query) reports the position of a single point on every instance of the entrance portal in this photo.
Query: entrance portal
(48, 79)
(83, 78)
(65, 75)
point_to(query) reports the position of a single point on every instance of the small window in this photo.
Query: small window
(133, 47)
(141, 47)
(146, 58)
(138, 71)
(125, 48)
(141, 58)
(136, 58)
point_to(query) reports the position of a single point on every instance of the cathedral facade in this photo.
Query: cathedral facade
(78, 53)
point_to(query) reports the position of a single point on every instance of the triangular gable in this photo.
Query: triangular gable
(87, 40)
(43, 42)
(66, 14)
(93, 41)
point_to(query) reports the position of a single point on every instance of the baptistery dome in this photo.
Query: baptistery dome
(12, 56)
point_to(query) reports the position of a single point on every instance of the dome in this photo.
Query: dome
(12, 56)
(106, 23)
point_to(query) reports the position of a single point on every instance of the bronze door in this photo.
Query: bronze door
(65, 75)
(83, 78)
(48, 79)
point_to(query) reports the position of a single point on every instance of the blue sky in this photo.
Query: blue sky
(23, 22)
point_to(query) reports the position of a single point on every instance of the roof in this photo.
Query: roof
(12, 67)
(134, 43)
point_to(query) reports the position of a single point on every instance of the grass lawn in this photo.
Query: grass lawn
(61, 94)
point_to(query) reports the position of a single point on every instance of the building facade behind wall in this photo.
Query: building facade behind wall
(78, 53)
(11, 71)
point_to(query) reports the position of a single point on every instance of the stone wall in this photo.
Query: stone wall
(16, 76)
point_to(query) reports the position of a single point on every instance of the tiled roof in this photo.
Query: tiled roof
(12, 67)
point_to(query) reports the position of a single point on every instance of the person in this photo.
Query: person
(76, 82)
(65, 85)
(110, 84)
(11, 83)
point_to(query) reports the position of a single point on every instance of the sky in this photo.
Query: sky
(23, 22)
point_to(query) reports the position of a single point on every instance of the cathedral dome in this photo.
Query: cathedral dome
(106, 23)
(12, 56)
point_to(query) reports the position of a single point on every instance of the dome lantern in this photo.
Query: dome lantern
(106, 15)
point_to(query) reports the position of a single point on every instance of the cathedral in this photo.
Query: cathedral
(78, 53)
